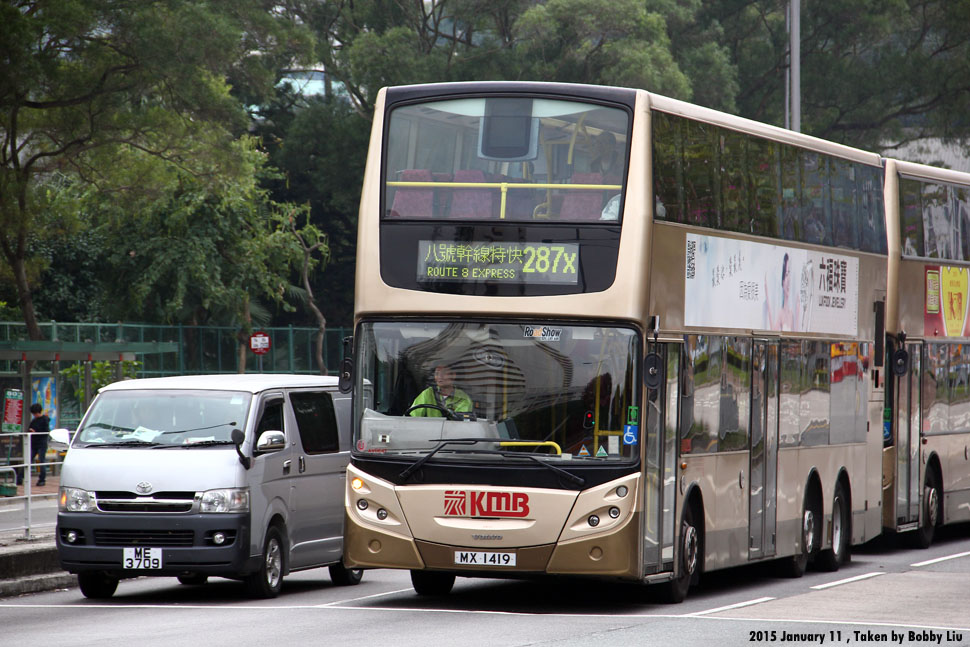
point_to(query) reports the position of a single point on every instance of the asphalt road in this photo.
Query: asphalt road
(888, 594)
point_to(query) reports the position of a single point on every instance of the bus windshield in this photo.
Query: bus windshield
(506, 158)
(557, 392)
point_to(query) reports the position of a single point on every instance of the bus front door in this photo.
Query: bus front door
(659, 458)
(908, 421)
(763, 449)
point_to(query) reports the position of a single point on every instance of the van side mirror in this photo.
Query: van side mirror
(270, 441)
(60, 439)
(238, 437)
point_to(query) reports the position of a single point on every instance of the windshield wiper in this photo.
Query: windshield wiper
(201, 443)
(183, 431)
(104, 425)
(569, 476)
(455, 441)
(126, 443)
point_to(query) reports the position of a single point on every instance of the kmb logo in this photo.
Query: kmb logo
(461, 503)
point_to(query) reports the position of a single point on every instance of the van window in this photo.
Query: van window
(315, 421)
(272, 417)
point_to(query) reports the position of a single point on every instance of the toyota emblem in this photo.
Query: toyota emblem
(144, 487)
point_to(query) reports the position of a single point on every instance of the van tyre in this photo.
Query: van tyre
(97, 585)
(343, 576)
(831, 559)
(691, 554)
(431, 583)
(267, 581)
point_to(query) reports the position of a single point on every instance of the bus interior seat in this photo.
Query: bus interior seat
(582, 204)
(413, 202)
(471, 202)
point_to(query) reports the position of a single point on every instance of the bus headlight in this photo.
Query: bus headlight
(74, 499)
(225, 500)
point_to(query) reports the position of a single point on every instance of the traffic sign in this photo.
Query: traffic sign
(259, 343)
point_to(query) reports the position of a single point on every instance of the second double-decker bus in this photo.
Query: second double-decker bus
(603, 332)
(927, 417)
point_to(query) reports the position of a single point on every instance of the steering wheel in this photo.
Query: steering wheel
(448, 413)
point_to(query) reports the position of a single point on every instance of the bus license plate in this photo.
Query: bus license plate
(142, 558)
(473, 558)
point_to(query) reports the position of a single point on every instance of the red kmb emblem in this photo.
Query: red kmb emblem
(485, 504)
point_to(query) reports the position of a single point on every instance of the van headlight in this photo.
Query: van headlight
(74, 499)
(225, 500)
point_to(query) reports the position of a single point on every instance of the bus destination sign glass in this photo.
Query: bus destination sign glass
(476, 262)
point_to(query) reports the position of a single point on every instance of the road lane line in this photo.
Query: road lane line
(940, 559)
(727, 608)
(864, 576)
(366, 597)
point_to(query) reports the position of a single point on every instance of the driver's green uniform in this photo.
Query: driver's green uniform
(457, 402)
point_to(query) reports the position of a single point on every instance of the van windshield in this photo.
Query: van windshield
(154, 418)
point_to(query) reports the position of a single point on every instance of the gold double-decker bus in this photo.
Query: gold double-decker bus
(602, 332)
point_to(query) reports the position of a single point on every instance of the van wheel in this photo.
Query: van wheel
(831, 559)
(343, 576)
(430, 583)
(97, 585)
(675, 591)
(267, 581)
(193, 579)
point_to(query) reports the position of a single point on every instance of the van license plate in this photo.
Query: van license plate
(142, 558)
(473, 558)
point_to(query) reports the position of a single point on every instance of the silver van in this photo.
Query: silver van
(238, 476)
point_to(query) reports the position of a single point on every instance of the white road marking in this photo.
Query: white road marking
(940, 559)
(366, 597)
(728, 607)
(864, 576)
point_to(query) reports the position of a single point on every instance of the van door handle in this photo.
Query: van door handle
(286, 466)
(302, 464)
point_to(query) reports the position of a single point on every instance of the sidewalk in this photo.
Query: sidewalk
(30, 566)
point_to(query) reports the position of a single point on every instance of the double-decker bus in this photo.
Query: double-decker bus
(602, 332)
(926, 425)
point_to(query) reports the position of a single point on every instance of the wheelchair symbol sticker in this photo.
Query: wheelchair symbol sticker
(630, 433)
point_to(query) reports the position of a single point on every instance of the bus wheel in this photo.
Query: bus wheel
(267, 581)
(795, 565)
(431, 583)
(923, 537)
(343, 576)
(831, 559)
(97, 585)
(690, 556)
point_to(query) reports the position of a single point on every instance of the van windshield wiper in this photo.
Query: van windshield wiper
(184, 431)
(201, 443)
(452, 441)
(126, 443)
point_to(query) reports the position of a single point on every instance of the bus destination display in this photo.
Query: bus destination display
(532, 263)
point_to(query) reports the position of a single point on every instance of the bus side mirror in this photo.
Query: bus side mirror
(346, 380)
(238, 437)
(652, 370)
(901, 362)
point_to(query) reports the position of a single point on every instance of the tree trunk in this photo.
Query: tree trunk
(19, 266)
(243, 338)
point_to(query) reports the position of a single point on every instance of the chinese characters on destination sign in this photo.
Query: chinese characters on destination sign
(498, 262)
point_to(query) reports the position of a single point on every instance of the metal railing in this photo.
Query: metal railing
(19, 467)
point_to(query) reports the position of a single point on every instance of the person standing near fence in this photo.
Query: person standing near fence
(39, 430)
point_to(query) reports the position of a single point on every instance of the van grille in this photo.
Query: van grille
(180, 538)
(174, 502)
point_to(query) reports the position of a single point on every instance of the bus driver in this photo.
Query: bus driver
(441, 394)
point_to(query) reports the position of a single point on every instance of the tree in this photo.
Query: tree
(85, 81)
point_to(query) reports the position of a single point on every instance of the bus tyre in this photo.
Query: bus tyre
(675, 591)
(343, 576)
(923, 537)
(430, 583)
(193, 579)
(267, 581)
(796, 565)
(97, 585)
(831, 559)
